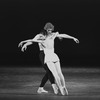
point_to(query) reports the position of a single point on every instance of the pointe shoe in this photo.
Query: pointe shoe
(41, 90)
(66, 90)
(55, 88)
(62, 90)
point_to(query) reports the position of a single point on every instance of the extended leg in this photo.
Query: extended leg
(52, 68)
(59, 71)
(45, 78)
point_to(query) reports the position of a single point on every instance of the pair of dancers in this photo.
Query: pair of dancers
(49, 58)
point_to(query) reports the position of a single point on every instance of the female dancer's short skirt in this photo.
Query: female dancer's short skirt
(50, 56)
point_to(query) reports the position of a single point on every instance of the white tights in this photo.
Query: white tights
(56, 71)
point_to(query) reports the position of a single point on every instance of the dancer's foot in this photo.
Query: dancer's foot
(41, 90)
(55, 88)
(66, 91)
(62, 90)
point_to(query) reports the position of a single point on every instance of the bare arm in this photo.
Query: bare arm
(30, 41)
(68, 36)
(35, 39)
(38, 39)
(25, 41)
(65, 36)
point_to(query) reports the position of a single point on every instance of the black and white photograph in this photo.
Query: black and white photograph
(49, 49)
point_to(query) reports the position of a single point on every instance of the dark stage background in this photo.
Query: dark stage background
(23, 19)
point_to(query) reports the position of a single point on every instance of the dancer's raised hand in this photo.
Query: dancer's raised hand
(76, 40)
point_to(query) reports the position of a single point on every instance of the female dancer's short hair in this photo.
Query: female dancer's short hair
(46, 27)
(49, 26)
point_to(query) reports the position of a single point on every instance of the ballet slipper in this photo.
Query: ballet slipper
(66, 91)
(41, 90)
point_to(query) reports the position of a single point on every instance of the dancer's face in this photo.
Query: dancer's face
(49, 31)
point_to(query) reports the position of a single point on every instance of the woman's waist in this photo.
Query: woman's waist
(49, 50)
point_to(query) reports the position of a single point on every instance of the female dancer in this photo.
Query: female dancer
(51, 58)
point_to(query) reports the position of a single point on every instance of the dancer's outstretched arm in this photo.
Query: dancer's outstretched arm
(38, 39)
(35, 39)
(68, 36)
(22, 42)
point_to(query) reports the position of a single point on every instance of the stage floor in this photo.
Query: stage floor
(21, 83)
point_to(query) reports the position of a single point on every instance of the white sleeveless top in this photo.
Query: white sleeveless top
(49, 49)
